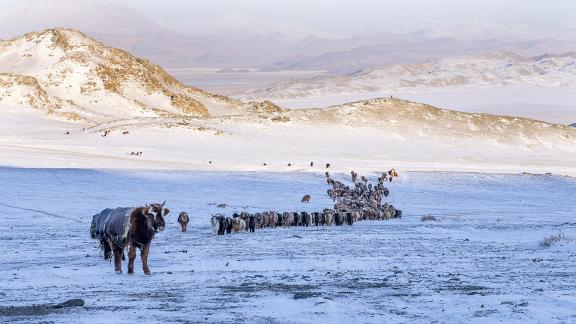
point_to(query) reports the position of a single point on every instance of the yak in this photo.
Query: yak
(128, 227)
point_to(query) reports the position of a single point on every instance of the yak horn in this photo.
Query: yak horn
(163, 203)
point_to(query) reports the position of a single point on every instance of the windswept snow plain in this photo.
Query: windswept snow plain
(481, 261)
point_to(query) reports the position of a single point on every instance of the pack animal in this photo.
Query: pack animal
(128, 227)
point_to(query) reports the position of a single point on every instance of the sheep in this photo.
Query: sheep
(328, 217)
(238, 224)
(354, 176)
(315, 218)
(228, 224)
(252, 223)
(215, 222)
(338, 219)
(259, 220)
(296, 219)
(349, 218)
(287, 219)
(265, 220)
(305, 219)
(272, 219)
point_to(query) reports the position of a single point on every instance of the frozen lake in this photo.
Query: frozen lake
(480, 262)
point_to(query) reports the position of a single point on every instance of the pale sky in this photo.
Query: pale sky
(334, 18)
(347, 17)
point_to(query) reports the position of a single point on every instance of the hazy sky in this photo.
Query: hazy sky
(335, 18)
(347, 17)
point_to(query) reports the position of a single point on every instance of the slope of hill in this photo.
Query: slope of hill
(69, 101)
(494, 69)
(411, 119)
(81, 76)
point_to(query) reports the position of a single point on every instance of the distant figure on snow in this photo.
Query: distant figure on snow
(183, 219)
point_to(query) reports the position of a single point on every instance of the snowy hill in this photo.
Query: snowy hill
(69, 74)
(411, 119)
(67, 100)
(494, 69)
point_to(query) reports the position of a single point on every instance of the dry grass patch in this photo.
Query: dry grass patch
(551, 240)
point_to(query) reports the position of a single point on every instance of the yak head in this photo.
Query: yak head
(155, 214)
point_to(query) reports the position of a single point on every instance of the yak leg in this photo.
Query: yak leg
(117, 259)
(131, 257)
(144, 255)
(107, 249)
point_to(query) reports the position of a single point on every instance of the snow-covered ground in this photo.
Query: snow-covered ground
(480, 262)
(67, 100)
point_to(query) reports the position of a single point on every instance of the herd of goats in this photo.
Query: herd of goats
(134, 228)
(363, 201)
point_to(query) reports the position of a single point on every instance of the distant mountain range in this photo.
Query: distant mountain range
(492, 69)
(121, 27)
(382, 52)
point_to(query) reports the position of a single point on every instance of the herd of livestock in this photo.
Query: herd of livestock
(134, 228)
(363, 201)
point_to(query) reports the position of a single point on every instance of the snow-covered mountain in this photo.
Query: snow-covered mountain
(377, 51)
(492, 69)
(60, 91)
(68, 74)
(120, 26)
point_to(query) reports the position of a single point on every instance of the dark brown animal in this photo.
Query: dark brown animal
(305, 199)
(183, 219)
(130, 228)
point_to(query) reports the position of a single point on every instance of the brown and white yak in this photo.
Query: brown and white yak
(128, 227)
